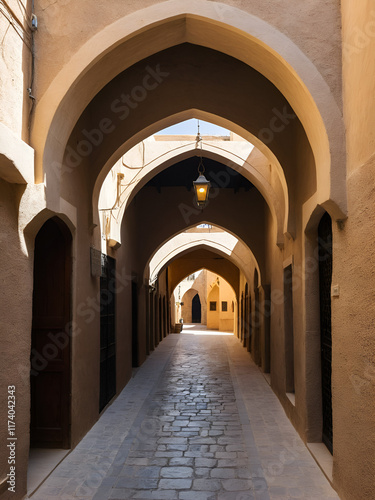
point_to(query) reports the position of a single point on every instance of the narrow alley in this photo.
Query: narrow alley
(198, 421)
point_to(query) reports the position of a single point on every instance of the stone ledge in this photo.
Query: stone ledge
(16, 158)
(323, 458)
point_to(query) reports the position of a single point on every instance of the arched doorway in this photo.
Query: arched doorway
(247, 326)
(325, 281)
(196, 309)
(50, 338)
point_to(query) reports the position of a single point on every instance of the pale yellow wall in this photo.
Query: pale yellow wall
(213, 316)
(226, 319)
(204, 285)
(219, 290)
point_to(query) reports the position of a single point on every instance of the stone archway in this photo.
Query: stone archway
(271, 53)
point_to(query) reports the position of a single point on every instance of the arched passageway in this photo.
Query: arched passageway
(163, 206)
(257, 74)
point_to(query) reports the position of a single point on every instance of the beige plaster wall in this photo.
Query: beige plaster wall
(354, 310)
(74, 23)
(15, 68)
(226, 318)
(15, 331)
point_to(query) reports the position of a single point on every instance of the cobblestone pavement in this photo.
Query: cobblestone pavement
(197, 422)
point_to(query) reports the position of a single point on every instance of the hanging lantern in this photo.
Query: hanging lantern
(201, 187)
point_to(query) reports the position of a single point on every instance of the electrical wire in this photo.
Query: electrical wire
(24, 9)
(30, 88)
(16, 28)
(27, 37)
(14, 15)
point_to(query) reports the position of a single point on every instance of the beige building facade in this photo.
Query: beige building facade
(81, 85)
(206, 298)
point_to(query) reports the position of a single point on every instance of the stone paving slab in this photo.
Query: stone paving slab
(198, 422)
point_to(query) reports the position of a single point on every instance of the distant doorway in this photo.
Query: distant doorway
(50, 337)
(196, 309)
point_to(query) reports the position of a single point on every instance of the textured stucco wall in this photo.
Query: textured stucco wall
(354, 310)
(71, 24)
(15, 69)
(16, 302)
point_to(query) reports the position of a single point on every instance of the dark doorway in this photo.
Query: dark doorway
(325, 281)
(242, 317)
(160, 321)
(196, 309)
(50, 337)
(107, 331)
(246, 339)
(164, 318)
(152, 321)
(289, 329)
(156, 319)
(135, 361)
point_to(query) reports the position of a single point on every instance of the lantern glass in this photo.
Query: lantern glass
(202, 188)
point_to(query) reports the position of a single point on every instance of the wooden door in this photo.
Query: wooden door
(50, 345)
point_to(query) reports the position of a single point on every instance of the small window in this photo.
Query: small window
(212, 306)
(224, 306)
(232, 306)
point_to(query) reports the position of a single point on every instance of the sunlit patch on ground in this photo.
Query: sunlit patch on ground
(198, 329)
